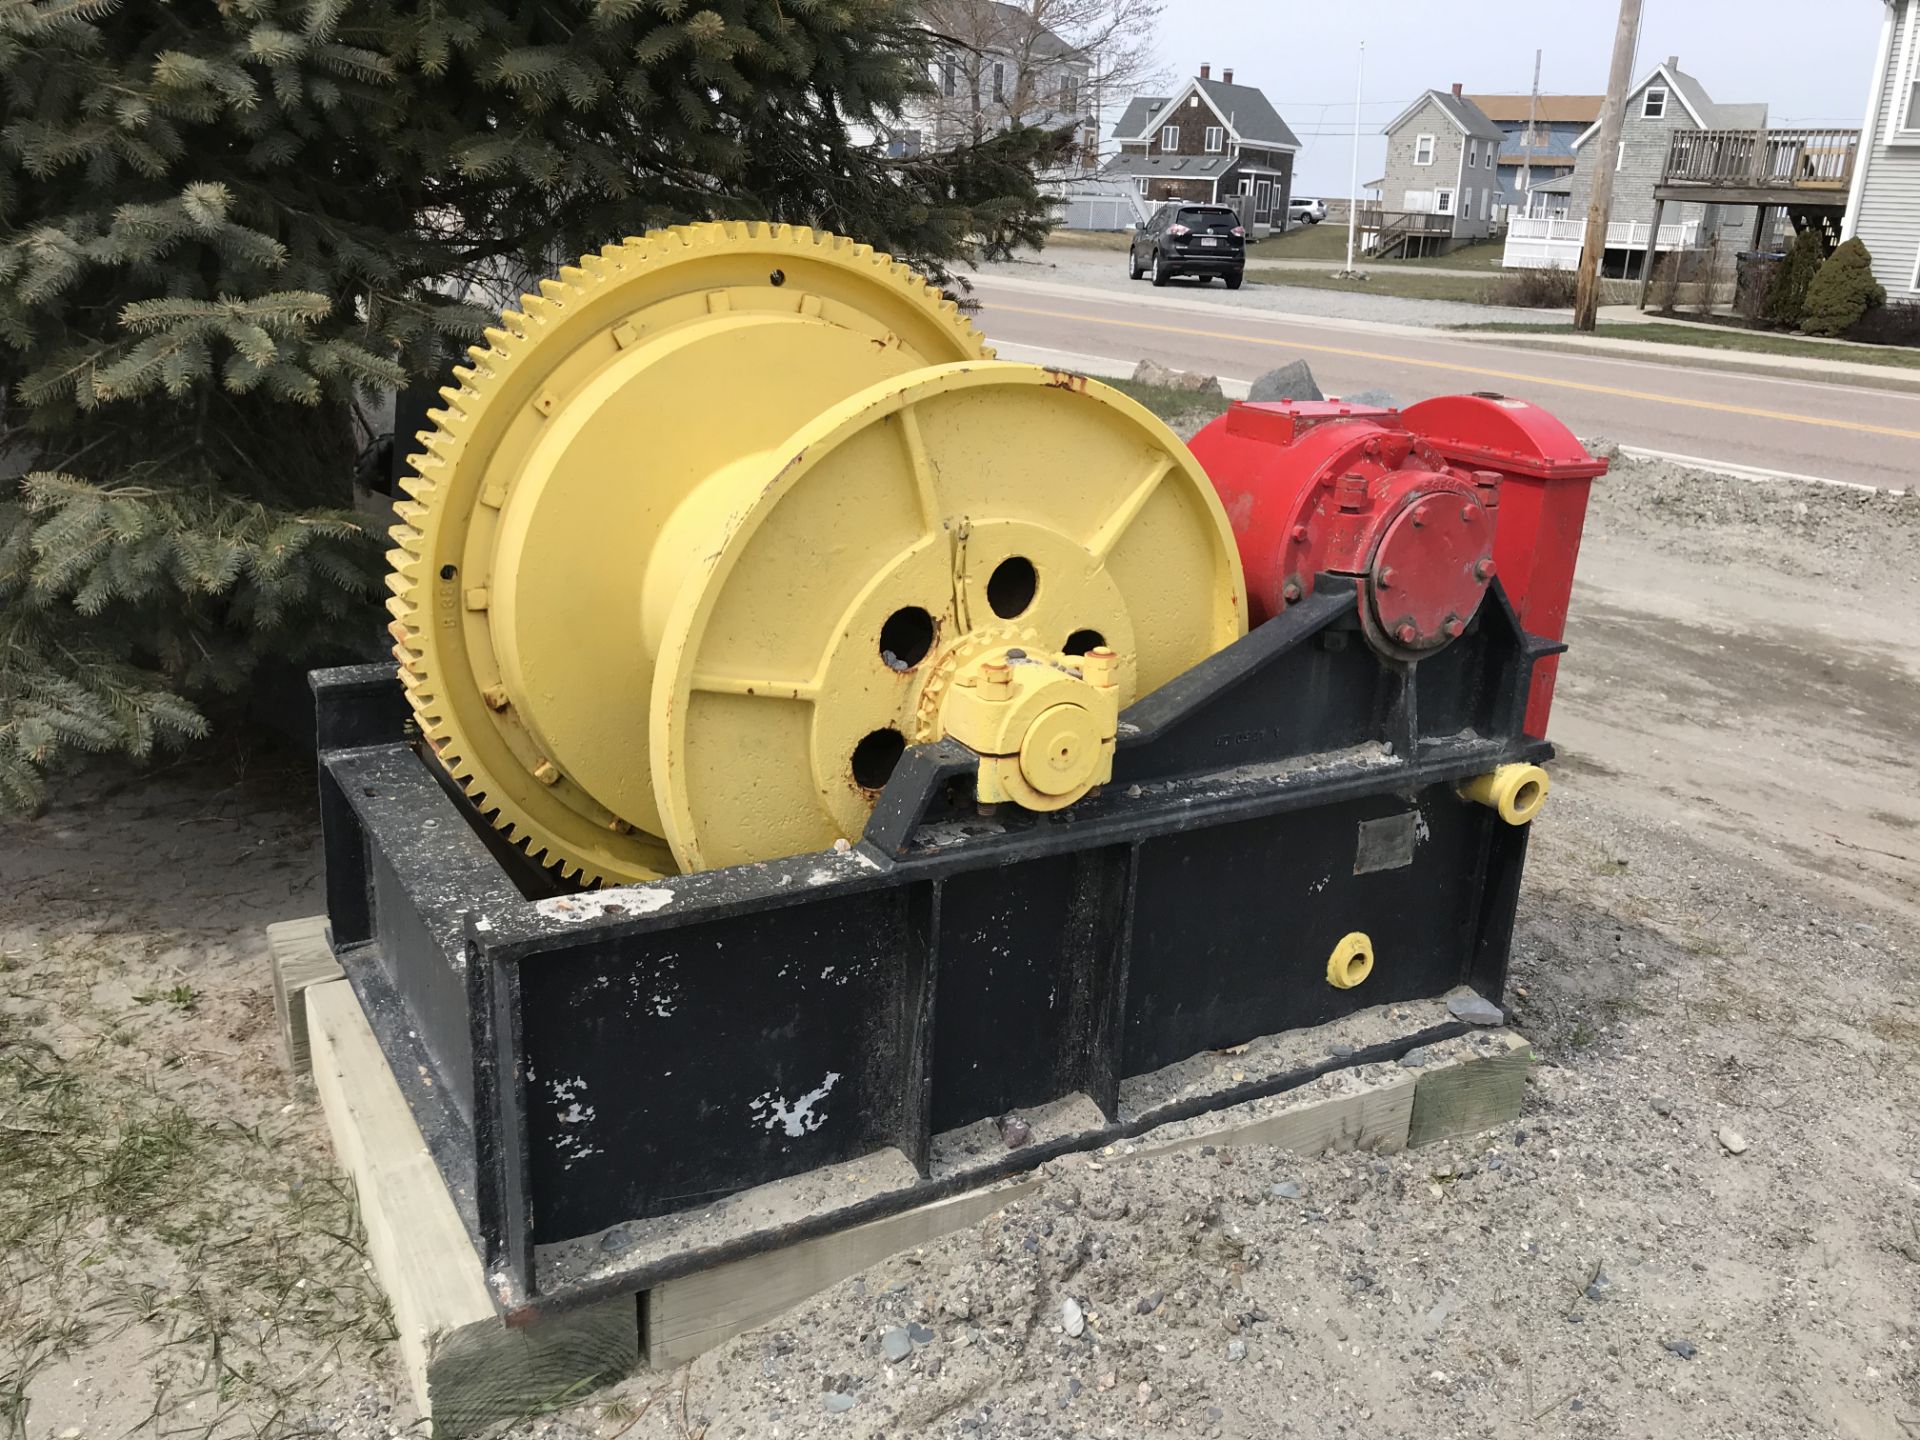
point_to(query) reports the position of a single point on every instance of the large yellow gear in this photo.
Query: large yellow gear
(699, 524)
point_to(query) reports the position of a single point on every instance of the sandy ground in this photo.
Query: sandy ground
(1717, 947)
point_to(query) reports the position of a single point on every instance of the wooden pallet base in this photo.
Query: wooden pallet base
(469, 1370)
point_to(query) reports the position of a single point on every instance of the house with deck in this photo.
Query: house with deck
(1883, 199)
(1213, 141)
(1442, 185)
(1689, 174)
(1538, 148)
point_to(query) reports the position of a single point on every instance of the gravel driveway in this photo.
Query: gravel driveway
(1107, 270)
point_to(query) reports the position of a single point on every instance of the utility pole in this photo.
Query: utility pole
(1526, 150)
(1607, 145)
(1353, 190)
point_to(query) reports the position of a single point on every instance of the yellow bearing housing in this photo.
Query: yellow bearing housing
(728, 515)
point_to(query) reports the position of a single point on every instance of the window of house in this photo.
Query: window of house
(1653, 105)
(1417, 202)
(1913, 281)
(949, 76)
(1443, 202)
(1423, 149)
(1904, 113)
(1466, 203)
(1216, 138)
(1069, 94)
(1169, 137)
(999, 81)
(1621, 158)
(1140, 183)
(1473, 154)
(1486, 197)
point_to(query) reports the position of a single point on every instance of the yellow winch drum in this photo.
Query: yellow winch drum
(727, 516)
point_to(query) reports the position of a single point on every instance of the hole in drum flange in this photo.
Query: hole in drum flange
(875, 757)
(906, 638)
(1011, 587)
(1081, 641)
(1524, 797)
(447, 572)
(777, 278)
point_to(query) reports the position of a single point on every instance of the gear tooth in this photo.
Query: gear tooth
(453, 396)
(501, 338)
(515, 324)
(557, 291)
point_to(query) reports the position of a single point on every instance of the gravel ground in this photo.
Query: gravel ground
(1107, 270)
(1715, 954)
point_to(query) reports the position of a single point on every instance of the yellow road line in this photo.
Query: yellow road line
(1651, 396)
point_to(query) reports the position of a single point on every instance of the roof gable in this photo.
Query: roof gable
(1462, 113)
(1693, 98)
(1243, 111)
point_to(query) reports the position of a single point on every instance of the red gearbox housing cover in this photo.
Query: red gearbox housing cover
(1422, 507)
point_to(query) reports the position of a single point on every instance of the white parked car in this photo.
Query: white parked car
(1306, 212)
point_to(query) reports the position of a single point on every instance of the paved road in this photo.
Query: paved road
(1805, 427)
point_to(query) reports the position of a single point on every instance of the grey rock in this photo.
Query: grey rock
(1290, 382)
(1415, 1058)
(1732, 1141)
(839, 1402)
(1286, 1190)
(1236, 1350)
(1661, 1105)
(919, 1334)
(1149, 372)
(616, 1241)
(1683, 1348)
(1494, 1162)
(1147, 1304)
(1015, 1131)
(896, 1344)
(1476, 1010)
(1371, 397)
(1340, 1050)
(1072, 1318)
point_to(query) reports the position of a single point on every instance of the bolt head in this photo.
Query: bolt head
(1466, 514)
(1291, 591)
(1406, 634)
(1455, 627)
(1483, 570)
(1419, 517)
(1299, 534)
(1385, 578)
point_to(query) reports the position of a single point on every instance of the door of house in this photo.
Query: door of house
(1262, 201)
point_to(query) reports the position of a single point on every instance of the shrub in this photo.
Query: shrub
(1895, 324)
(1842, 292)
(1787, 300)
(1534, 289)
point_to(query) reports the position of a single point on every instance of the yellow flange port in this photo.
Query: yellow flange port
(1516, 791)
(1351, 961)
(709, 530)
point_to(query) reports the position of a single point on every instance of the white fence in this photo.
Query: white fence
(1536, 244)
(1106, 208)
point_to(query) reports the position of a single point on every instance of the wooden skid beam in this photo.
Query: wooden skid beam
(301, 958)
(467, 1368)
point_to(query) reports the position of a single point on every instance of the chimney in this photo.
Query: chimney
(1673, 62)
(1456, 87)
(1226, 76)
(1206, 70)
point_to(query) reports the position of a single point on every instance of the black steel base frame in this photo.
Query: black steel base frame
(630, 1084)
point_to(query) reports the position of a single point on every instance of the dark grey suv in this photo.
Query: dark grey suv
(1202, 240)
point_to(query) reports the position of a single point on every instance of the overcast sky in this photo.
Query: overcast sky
(1808, 61)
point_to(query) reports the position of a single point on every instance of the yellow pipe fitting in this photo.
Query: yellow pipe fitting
(1516, 791)
(1351, 961)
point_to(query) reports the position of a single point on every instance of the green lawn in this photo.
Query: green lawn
(1762, 342)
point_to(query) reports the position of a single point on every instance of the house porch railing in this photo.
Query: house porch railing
(1816, 161)
(1538, 244)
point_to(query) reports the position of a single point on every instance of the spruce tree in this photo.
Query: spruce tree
(226, 231)
(1787, 297)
